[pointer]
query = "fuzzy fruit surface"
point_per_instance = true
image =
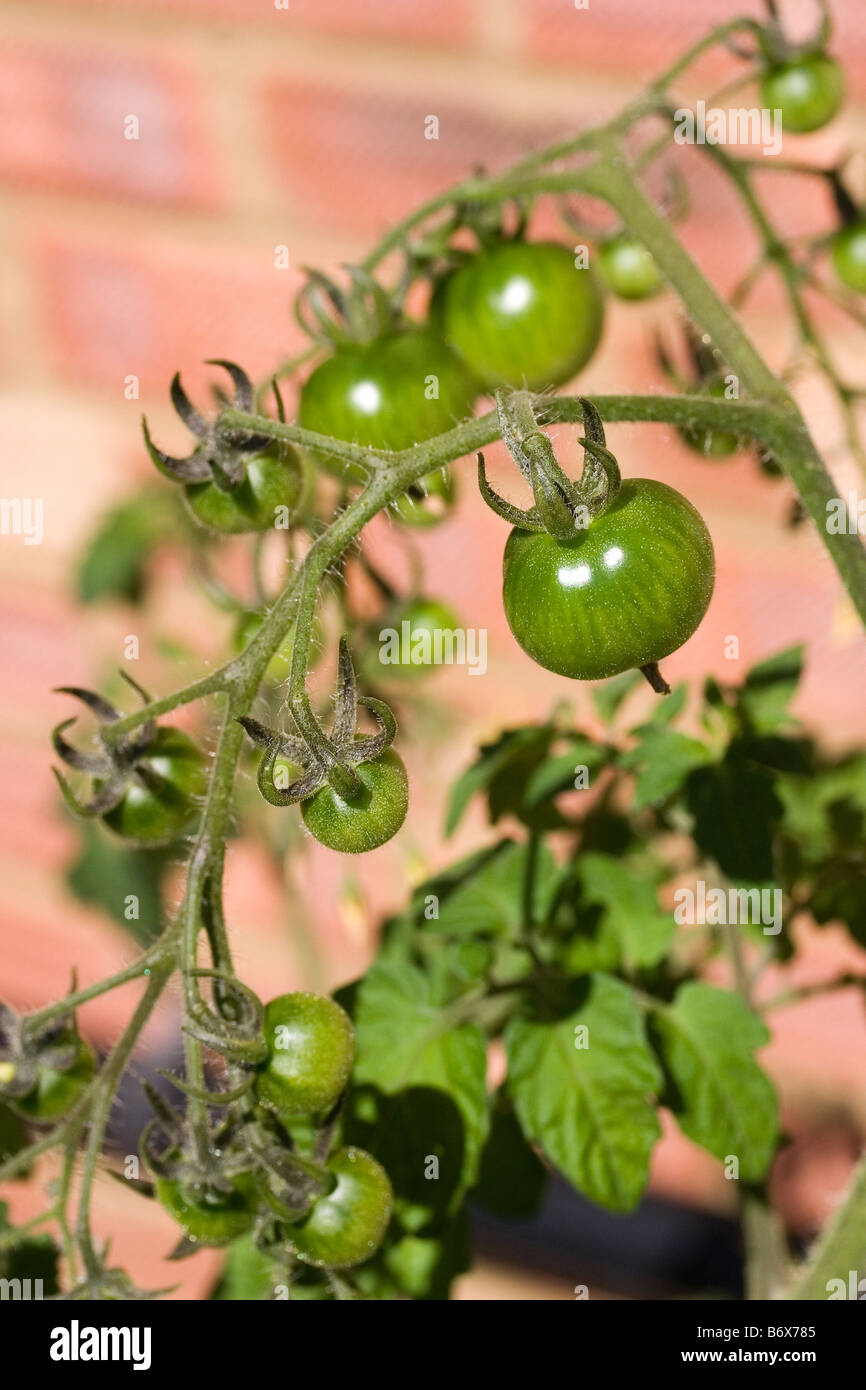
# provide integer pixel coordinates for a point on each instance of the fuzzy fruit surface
(311, 1048)
(211, 1218)
(348, 1225)
(156, 815)
(57, 1091)
(371, 817)
(522, 314)
(272, 480)
(627, 591)
(808, 91)
(389, 394)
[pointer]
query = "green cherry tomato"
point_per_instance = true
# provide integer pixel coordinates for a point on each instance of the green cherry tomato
(522, 314)
(280, 664)
(311, 1048)
(713, 444)
(408, 639)
(808, 91)
(273, 480)
(150, 815)
(848, 253)
(57, 1091)
(373, 816)
(429, 501)
(628, 268)
(348, 1225)
(388, 394)
(627, 591)
(207, 1216)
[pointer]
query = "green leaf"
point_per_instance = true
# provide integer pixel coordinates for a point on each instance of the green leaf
(608, 697)
(405, 1041)
(13, 1135)
(589, 1106)
(664, 712)
(424, 1267)
(769, 688)
(247, 1275)
(735, 810)
(665, 758)
(31, 1257)
(722, 1099)
(113, 564)
(839, 895)
(501, 770)
(557, 774)
(108, 874)
(495, 893)
(513, 1180)
(631, 914)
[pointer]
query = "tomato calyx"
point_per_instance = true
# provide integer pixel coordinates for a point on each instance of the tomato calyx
(322, 758)
(335, 316)
(778, 48)
(29, 1049)
(561, 505)
(215, 459)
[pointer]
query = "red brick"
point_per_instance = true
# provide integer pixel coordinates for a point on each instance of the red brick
(63, 113)
(360, 159)
(115, 305)
(445, 22)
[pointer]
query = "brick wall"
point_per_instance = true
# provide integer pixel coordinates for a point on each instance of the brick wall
(261, 126)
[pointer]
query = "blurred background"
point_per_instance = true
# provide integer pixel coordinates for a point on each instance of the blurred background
(303, 127)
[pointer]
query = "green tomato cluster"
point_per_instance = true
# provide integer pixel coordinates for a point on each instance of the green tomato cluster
(311, 1049)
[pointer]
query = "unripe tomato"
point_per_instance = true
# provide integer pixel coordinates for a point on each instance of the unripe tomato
(627, 591)
(280, 665)
(348, 1225)
(628, 268)
(808, 91)
(713, 444)
(311, 1048)
(273, 480)
(431, 508)
(207, 1216)
(149, 817)
(848, 252)
(389, 394)
(522, 314)
(416, 625)
(57, 1091)
(373, 816)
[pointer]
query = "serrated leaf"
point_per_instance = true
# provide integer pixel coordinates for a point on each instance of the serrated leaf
(665, 758)
(405, 1040)
(721, 1098)
(589, 1108)
(631, 914)
(494, 894)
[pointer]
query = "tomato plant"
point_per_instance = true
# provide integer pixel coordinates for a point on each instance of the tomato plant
(533, 1009)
